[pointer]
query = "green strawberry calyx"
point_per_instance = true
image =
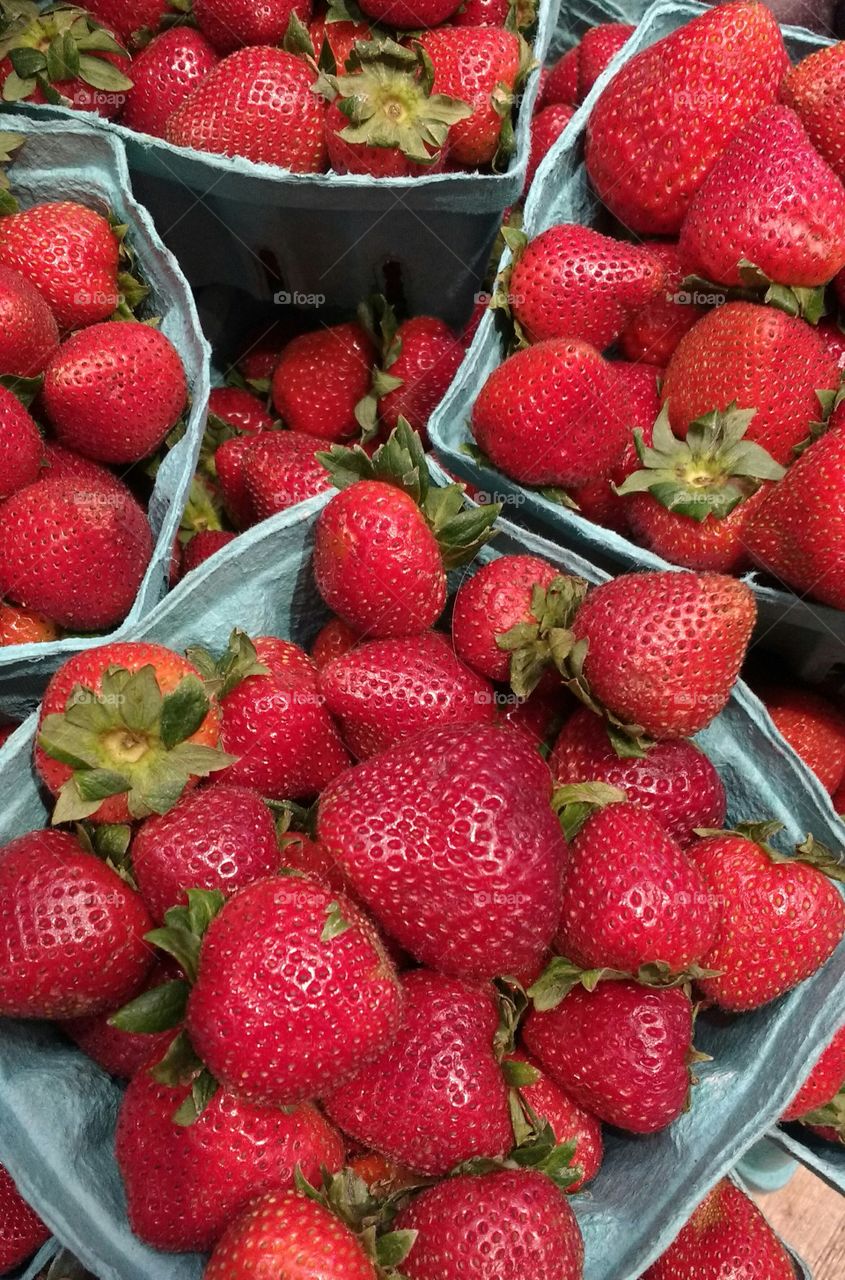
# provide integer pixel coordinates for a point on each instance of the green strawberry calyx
(10, 143)
(460, 530)
(517, 242)
(546, 642)
(810, 851)
(133, 291)
(708, 473)
(63, 43)
(110, 842)
(830, 1116)
(755, 286)
(575, 802)
(129, 739)
(203, 510)
(535, 1145)
(378, 319)
(369, 1217)
(561, 976)
(237, 662)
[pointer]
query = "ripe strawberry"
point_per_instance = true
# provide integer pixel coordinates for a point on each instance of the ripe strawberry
(29, 334)
(674, 782)
(833, 341)
(129, 18)
(510, 1223)
(230, 472)
(21, 446)
(464, 891)
(772, 905)
(569, 1122)
(547, 415)
(22, 626)
(205, 543)
(726, 1234)
(815, 88)
(280, 469)
(823, 1083)
(60, 462)
(334, 1001)
(340, 37)
(64, 52)
(404, 1103)
(77, 555)
(599, 45)
(482, 13)
(654, 332)
(561, 82)
(813, 727)
(229, 24)
(410, 15)
(670, 110)
(89, 954)
(121, 1053)
(495, 599)
(540, 715)
(21, 1230)
(479, 65)
(164, 74)
(185, 1182)
(546, 127)
(285, 1230)
(421, 363)
(240, 409)
(319, 379)
(142, 724)
(382, 1177)
(332, 641)
(299, 852)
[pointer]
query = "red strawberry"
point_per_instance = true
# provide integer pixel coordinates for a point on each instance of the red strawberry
(384, 691)
(124, 725)
(491, 602)
(240, 409)
(112, 392)
(540, 715)
(29, 334)
(599, 45)
(569, 1122)
(674, 781)
(21, 446)
(230, 471)
(493, 1226)
(128, 18)
(546, 127)
(423, 360)
(164, 74)
(256, 103)
(121, 1053)
(302, 976)
(561, 82)
(772, 906)
(185, 1182)
(405, 1103)
(21, 1230)
(281, 469)
(88, 953)
(332, 641)
(621, 1051)
(670, 110)
(726, 1234)
(547, 415)
(76, 555)
(65, 463)
(40, 49)
(478, 65)
(815, 88)
(229, 24)
(482, 13)
(823, 1083)
(654, 332)
(22, 626)
(205, 543)
(319, 379)
(411, 15)
(813, 727)
(300, 853)
(340, 36)
(471, 882)
(833, 341)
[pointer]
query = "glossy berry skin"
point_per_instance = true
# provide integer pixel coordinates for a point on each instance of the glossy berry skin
(599, 45)
(229, 459)
(122, 1053)
(436, 1096)
(653, 332)
(89, 953)
(332, 641)
(21, 1230)
(574, 282)
(833, 341)
(727, 1238)
(561, 82)
(384, 691)
(665, 648)
(472, 63)
(813, 727)
(256, 103)
(450, 841)
(631, 897)
(285, 1230)
(76, 554)
(126, 17)
(164, 74)
(220, 837)
(241, 409)
(340, 37)
(376, 563)
(547, 415)
(569, 1122)
(66, 463)
(21, 446)
(410, 15)
(780, 922)
(204, 543)
(815, 88)
(334, 1002)
(620, 1051)
(112, 392)
(428, 360)
(320, 378)
(185, 1183)
(23, 626)
(29, 334)
(276, 724)
(675, 782)
(509, 1225)
(281, 469)
(546, 127)
(481, 13)
(230, 24)
(492, 601)
(714, 544)
(670, 110)
(824, 1081)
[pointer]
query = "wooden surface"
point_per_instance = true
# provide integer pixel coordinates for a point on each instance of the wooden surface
(811, 1219)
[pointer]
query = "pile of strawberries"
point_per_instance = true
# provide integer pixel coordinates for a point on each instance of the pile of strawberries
(382, 936)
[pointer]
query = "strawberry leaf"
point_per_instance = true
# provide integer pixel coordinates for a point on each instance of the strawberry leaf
(158, 1009)
(335, 923)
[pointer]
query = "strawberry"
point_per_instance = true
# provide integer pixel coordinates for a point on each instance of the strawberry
(21, 1230)
(546, 127)
(240, 409)
(22, 626)
(303, 976)
(547, 416)
(418, 367)
(229, 24)
(256, 103)
(281, 469)
(164, 74)
(130, 19)
(488, 906)
(205, 543)
(569, 1122)
(726, 1234)
(505, 1224)
(599, 45)
(752, 357)
(654, 332)
(823, 1083)
(121, 1053)
(773, 905)
(77, 555)
(561, 81)
(21, 446)
(332, 641)
(833, 341)
(138, 725)
(230, 472)
(63, 57)
(813, 727)
(815, 89)
(341, 38)
(90, 953)
(674, 781)
(479, 65)
(300, 853)
(285, 1230)
(658, 126)
(70, 254)
(29, 335)
(410, 15)
(319, 379)
(404, 1103)
(496, 598)
(384, 691)
(185, 1182)
(281, 736)
(60, 462)
(540, 715)
(482, 13)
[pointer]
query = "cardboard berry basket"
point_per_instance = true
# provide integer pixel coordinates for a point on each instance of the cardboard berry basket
(825, 1159)
(36, 1265)
(810, 636)
(69, 160)
(57, 1109)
